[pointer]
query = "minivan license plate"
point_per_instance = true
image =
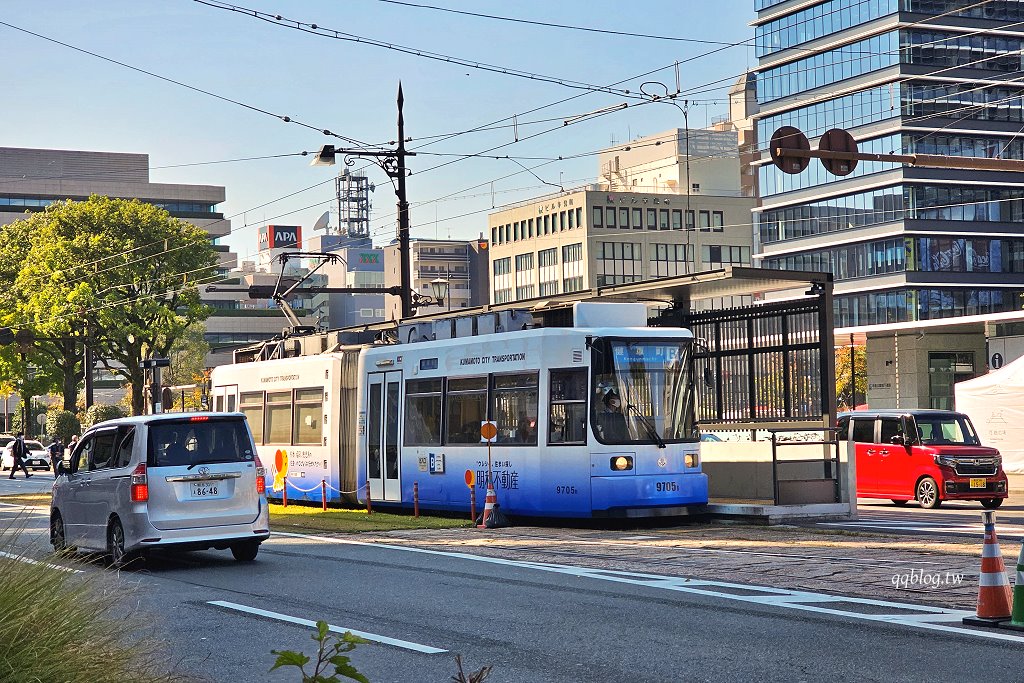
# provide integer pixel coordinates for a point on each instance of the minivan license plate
(978, 483)
(205, 489)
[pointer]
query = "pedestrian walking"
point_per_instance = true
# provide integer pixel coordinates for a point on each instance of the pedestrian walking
(18, 453)
(56, 454)
(72, 444)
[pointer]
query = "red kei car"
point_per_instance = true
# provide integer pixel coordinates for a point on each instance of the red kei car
(924, 455)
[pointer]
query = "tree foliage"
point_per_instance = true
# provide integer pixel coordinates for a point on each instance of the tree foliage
(61, 424)
(101, 413)
(118, 273)
(844, 393)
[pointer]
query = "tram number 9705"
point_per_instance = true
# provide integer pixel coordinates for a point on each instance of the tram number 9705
(565, 490)
(666, 486)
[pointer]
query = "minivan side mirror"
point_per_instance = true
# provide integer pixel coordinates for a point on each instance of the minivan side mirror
(63, 467)
(897, 440)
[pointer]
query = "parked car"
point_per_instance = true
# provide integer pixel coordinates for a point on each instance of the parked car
(924, 455)
(37, 458)
(188, 481)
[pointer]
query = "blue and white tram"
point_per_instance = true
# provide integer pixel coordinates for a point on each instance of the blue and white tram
(591, 422)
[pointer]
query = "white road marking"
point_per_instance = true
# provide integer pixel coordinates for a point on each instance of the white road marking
(384, 640)
(28, 560)
(913, 616)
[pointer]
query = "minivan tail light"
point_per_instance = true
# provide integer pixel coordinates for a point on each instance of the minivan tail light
(140, 484)
(261, 474)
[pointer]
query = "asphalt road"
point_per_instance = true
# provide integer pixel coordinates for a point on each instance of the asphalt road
(534, 622)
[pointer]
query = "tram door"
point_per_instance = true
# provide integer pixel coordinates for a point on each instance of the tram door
(383, 416)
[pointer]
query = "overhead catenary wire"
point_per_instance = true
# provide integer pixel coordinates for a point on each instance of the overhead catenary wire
(481, 155)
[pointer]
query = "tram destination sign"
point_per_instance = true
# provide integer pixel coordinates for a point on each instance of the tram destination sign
(496, 358)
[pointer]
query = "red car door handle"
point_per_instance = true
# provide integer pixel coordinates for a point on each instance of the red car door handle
(884, 452)
(871, 451)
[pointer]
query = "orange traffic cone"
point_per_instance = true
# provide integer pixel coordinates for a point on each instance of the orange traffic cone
(489, 502)
(994, 594)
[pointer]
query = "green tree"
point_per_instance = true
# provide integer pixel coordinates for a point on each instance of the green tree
(62, 424)
(844, 390)
(120, 273)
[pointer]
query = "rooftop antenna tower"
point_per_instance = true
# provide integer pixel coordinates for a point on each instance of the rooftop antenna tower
(353, 192)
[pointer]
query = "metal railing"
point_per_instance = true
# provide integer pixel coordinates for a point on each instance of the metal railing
(807, 489)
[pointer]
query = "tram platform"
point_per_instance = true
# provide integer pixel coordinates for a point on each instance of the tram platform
(765, 511)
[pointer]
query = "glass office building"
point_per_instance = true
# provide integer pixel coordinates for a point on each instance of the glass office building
(944, 77)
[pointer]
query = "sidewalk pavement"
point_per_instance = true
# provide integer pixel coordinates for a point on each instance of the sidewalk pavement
(937, 572)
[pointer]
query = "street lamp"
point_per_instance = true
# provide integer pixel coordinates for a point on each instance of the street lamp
(439, 287)
(392, 162)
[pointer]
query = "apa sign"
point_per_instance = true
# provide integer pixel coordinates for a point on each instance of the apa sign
(280, 236)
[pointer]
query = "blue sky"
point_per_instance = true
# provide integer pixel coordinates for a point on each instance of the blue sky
(56, 97)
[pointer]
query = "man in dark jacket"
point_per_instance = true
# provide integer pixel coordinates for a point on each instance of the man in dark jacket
(18, 453)
(56, 453)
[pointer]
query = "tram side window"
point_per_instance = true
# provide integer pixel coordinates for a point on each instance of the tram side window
(307, 429)
(515, 408)
(466, 403)
(279, 417)
(251, 405)
(567, 423)
(423, 412)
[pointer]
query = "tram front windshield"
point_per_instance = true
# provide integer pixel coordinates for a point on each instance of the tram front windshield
(642, 391)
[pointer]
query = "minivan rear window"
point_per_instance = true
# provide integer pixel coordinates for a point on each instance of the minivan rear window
(194, 442)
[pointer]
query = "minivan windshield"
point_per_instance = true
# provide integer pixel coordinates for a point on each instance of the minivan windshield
(946, 430)
(198, 441)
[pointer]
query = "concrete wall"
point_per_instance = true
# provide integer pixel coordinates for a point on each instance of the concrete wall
(743, 471)
(897, 365)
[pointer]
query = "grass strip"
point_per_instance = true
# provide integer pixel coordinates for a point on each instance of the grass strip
(313, 518)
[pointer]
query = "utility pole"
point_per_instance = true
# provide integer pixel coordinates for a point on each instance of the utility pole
(393, 163)
(403, 215)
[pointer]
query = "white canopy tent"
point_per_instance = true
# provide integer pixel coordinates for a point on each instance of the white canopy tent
(995, 404)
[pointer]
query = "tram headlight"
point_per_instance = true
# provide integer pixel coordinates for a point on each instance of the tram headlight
(691, 460)
(622, 463)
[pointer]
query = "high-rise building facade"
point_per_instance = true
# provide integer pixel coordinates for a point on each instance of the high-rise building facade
(906, 245)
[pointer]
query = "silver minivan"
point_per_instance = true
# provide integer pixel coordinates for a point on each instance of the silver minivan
(190, 481)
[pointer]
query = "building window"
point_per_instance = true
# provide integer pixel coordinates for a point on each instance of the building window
(503, 266)
(677, 219)
(524, 262)
(597, 216)
(529, 228)
(623, 218)
(638, 219)
(572, 252)
(572, 219)
(663, 219)
(572, 284)
(652, 219)
(668, 260)
(524, 292)
(561, 221)
(579, 217)
(609, 217)
(691, 223)
(547, 257)
(717, 221)
(549, 288)
(494, 235)
(705, 221)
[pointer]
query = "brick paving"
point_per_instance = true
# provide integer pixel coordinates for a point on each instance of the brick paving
(834, 562)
